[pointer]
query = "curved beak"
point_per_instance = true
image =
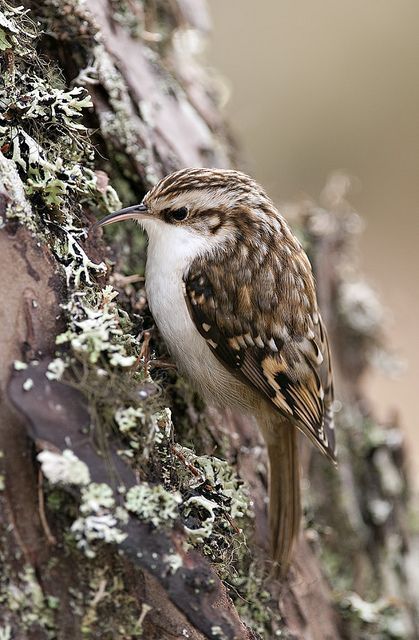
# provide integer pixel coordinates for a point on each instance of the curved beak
(130, 213)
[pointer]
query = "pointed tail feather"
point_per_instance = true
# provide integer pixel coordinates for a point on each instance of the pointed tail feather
(284, 496)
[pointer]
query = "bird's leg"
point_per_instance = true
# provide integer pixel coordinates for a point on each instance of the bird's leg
(161, 363)
(143, 357)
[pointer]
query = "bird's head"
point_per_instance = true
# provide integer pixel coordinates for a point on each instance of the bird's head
(204, 206)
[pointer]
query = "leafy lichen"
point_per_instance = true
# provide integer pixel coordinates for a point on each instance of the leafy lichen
(99, 519)
(153, 504)
(24, 597)
(95, 331)
(64, 468)
(43, 136)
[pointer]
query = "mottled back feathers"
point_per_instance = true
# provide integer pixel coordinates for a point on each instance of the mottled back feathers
(255, 305)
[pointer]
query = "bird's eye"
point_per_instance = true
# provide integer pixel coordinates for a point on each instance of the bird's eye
(179, 214)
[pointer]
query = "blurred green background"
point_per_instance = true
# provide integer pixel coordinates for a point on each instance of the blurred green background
(326, 85)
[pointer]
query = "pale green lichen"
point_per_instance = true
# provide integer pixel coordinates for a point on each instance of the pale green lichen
(95, 332)
(56, 369)
(223, 479)
(18, 207)
(122, 12)
(54, 166)
(117, 122)
(16, 30)
(46, 142)
(41, 131)
(26, 599)
(200, 504)
(28, 384)
(129, 419)
(18, 365)
(100, 520)
(54, 178)
(97, 496)
(204, 515)
(6, 631)
(148, 432)
(172, 562)
(79, 265)
(153, 504)
(48, 104)
(64, 468)
(96, 528)
(254, 604)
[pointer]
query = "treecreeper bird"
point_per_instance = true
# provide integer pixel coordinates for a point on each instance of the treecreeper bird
(232, 293)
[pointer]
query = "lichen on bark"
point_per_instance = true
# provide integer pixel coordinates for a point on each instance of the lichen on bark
(50, 157)
(99, 100)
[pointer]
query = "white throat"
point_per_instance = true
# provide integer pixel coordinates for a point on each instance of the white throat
(171, 251)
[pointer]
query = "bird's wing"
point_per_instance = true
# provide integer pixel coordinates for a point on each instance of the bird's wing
(291, 369)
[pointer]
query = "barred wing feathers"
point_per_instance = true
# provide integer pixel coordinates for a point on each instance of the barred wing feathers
(272, 346)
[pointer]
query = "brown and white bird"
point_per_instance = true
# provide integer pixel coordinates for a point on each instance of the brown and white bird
(232, 293)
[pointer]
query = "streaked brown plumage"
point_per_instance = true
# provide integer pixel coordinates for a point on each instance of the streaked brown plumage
(246, 326)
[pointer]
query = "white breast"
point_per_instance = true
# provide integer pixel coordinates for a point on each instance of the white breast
(171, 250)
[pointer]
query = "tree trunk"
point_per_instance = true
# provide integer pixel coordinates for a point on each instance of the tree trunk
(118, 517)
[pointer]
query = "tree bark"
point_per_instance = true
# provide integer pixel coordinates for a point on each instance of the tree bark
(119, 519)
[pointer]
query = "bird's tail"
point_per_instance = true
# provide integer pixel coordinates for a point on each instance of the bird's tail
(284, 495)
